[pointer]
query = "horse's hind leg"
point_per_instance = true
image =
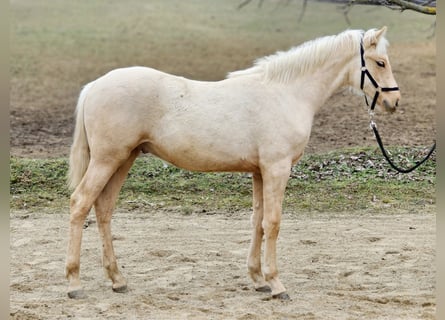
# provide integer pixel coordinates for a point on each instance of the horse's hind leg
(254, 257)
(82, 199)
(104, 207)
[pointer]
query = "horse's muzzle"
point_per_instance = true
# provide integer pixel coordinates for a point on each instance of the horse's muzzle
(389, 107)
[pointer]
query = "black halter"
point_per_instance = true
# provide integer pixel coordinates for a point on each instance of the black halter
(371, 78)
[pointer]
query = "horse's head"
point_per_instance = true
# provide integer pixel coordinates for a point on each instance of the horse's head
(376, 79)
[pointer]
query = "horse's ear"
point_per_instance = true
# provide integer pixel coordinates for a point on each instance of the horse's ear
(380, 33)
(373, 37)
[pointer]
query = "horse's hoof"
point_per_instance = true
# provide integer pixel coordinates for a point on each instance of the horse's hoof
(281, 296)
(121, 289)
(77, 294)
(264, 289)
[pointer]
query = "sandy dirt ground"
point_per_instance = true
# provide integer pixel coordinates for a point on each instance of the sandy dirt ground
(335, 266)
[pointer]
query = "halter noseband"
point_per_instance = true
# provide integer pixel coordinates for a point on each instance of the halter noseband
(371, 78)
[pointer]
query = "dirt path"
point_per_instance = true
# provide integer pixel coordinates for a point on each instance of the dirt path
(335, 266)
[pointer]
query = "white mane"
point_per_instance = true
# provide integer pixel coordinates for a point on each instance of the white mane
(284, 66)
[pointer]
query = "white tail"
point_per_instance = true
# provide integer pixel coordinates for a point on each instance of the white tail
(80, 152)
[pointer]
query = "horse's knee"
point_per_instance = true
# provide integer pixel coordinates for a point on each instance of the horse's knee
(271, 227)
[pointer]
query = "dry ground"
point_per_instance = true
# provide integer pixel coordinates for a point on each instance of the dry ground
(335, 266)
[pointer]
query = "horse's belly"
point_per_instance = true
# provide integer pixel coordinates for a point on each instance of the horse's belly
(202, 159)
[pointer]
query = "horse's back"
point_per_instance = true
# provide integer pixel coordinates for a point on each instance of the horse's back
(197, 125)
(178, 119)
(129, 82)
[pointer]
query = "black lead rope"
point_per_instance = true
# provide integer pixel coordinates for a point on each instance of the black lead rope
(385, 154)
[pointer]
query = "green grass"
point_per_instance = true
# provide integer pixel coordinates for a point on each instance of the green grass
(345, 180)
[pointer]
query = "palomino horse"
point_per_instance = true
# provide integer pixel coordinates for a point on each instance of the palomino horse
(257, 120)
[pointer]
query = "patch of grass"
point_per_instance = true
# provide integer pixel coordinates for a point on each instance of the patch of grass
(350, 179)
(38, 183)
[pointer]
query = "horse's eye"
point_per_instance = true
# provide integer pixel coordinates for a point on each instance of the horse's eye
(380, 64)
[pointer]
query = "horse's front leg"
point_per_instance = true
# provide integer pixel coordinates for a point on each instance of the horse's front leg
(275, 178)
(254, 257)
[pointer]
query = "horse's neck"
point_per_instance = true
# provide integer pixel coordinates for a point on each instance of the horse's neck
(317, 87)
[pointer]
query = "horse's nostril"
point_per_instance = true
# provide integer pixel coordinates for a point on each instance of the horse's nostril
(397, 103)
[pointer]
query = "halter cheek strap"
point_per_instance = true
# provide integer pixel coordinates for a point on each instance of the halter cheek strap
(365, 72)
